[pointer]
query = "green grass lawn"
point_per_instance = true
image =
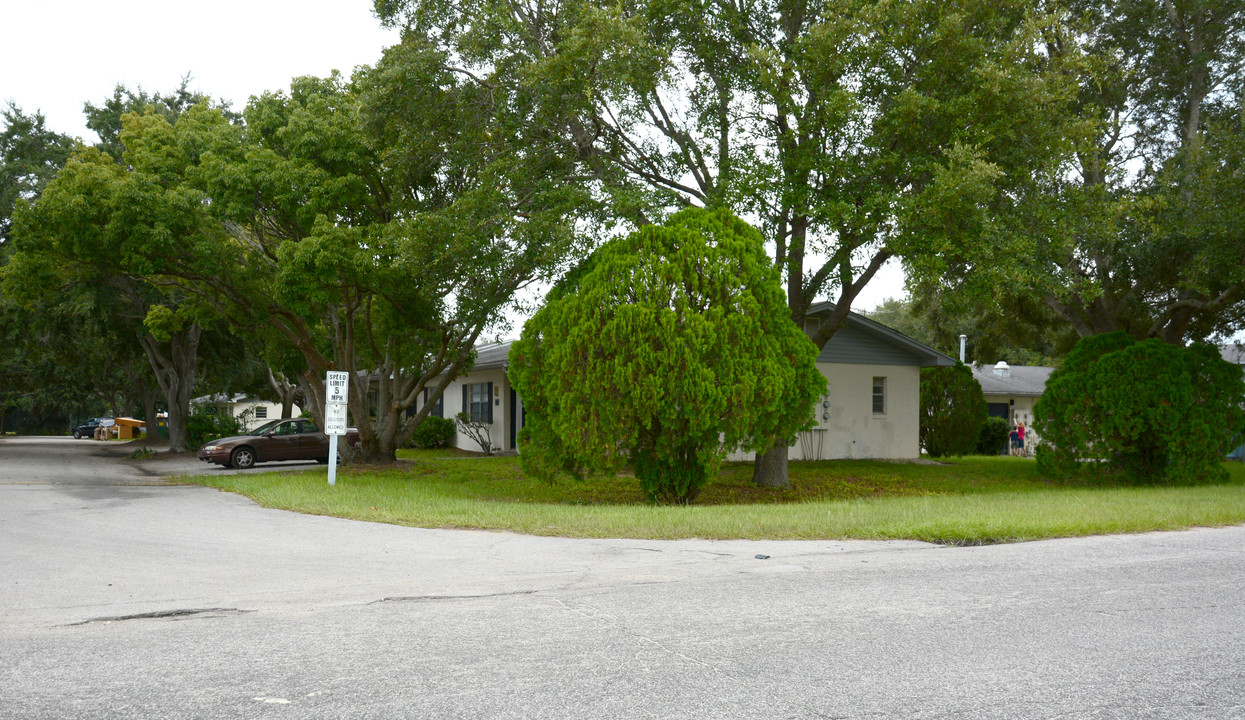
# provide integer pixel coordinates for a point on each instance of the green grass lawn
(963, 501)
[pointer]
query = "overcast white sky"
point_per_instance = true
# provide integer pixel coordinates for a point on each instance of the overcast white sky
(59, 55)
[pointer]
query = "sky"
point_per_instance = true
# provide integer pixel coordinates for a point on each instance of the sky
(60, 55)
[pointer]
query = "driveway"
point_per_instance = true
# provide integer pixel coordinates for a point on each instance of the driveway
(124, 597)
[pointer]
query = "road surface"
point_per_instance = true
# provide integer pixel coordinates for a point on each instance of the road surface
(122, 596)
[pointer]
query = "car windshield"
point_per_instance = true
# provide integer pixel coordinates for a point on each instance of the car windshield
(266, 427)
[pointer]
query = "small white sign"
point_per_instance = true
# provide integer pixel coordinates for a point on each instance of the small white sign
(335, 385)
(335, 419)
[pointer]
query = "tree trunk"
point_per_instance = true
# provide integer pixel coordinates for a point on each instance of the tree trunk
(770, 468)
(149, 414)
(286, 391)
(176, 373)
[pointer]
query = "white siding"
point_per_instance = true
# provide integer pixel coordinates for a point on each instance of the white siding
(499, 430)
(852, 431)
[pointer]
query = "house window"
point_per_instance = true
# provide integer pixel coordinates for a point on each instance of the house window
(438, 410)
(261, 412)
(879, 396)
(478, 401)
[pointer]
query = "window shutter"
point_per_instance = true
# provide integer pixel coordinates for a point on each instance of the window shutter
(466, 398)
(488, 403)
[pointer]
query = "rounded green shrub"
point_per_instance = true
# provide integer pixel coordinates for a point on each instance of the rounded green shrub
(992, 440)
(207, 423)
(434, 432)
(665, 350)
(1150, 410)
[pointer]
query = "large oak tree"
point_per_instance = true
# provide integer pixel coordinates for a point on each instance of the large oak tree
(850, 132)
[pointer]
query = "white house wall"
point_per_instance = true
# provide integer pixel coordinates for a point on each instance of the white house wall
(273, 411)
(499, 431)
(244, 410)
(852, 431)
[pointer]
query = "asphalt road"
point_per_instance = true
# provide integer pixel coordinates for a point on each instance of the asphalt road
(123, 597)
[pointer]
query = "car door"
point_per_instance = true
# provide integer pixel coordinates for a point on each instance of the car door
(313, 443)
(282, 443)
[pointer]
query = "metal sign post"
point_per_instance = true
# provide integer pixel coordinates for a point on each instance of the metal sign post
(336, 385)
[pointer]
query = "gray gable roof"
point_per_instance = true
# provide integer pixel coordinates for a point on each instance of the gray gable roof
(860, 340)
(1023, 380)
(224, 398)
(868, 342)
(490, 357)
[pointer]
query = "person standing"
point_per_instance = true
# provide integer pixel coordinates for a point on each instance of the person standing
(1020, 439)
(1012, 437)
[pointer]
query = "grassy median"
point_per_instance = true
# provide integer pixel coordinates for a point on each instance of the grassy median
(971, 500)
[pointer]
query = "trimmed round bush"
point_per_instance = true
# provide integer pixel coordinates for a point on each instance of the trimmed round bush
(1152, 411)
(666, 350)
(434, 432)
(992, 440)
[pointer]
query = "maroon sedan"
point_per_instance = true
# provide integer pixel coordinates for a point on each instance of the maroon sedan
(297, 439)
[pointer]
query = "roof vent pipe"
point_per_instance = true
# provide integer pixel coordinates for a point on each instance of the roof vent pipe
(963, 344)
(1002, 370)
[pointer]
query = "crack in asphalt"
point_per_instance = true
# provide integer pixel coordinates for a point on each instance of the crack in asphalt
(163, 615)
(432, 598)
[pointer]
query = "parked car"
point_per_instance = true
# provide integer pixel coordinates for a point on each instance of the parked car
(87, 429)
(297, 439)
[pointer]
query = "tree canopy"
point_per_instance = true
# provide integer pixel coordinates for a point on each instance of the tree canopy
(1136, 226)
(852, 132)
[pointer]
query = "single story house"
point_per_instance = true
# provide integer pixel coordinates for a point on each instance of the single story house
(871, 409)
(1012, 391)
(251, 410)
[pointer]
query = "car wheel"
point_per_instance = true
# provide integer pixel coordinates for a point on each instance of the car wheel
(242, 458)
(77, 435)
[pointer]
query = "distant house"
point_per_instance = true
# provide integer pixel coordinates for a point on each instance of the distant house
(871, 409)
(1235, 354)
(1012, 391)
(251, 410)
